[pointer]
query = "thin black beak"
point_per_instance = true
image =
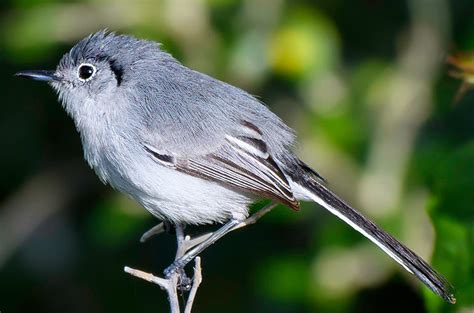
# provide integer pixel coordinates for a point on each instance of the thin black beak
(45, 76)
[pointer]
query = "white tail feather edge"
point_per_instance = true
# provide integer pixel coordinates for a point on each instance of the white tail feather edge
(310, 195)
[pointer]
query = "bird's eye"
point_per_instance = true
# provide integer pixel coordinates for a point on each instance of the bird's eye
(86, 71)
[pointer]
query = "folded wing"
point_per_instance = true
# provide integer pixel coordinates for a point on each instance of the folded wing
(243, 162)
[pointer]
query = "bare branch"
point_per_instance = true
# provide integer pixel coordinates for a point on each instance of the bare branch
(192, 242)
(184, 244)
(256, 216)
(163, 283)
(197, 279)
(169, 285)
(155, 230)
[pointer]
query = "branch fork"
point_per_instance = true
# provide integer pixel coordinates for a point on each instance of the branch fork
(177, 280)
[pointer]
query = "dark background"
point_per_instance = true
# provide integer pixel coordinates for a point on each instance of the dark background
(364, 84)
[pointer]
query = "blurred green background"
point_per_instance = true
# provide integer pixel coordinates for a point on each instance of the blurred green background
(366, 87)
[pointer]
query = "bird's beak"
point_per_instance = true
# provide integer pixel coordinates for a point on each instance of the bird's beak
(45, 76)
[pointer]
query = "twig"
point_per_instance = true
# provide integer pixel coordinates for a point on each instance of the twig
(197, 279)
(170, 285)
(163, 283)
(155, 230)
(189, 244)
(185, 243)
(256, 216)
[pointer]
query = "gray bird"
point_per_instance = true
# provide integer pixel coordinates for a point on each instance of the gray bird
(192, 149)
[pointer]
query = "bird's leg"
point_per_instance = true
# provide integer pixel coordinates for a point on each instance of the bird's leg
(181, 262)
(184, 282)
(192, 242)
(193, 247)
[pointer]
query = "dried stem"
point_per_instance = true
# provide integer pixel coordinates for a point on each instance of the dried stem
(197, 279)
(184, 244)
(156, 230)
(169, 285)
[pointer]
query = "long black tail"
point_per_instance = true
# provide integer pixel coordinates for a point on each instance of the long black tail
(396, 250)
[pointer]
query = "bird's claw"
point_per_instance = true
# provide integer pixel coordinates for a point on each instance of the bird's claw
(184, 282)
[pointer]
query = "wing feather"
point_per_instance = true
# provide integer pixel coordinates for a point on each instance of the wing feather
(243, 162)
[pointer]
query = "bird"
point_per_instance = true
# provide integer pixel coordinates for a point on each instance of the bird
(192, 149)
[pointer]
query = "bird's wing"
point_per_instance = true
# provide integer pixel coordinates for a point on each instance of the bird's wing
(243, 162)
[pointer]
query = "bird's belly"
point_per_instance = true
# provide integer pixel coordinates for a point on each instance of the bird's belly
(178, 197)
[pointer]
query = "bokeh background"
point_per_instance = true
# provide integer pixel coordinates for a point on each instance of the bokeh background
(364, 83)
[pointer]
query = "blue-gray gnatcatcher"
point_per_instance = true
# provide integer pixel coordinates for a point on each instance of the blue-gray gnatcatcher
(189, 148)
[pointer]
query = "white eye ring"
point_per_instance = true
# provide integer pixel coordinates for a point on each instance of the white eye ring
(86, 71)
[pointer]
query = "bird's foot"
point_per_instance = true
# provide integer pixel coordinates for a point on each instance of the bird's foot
(184, 282)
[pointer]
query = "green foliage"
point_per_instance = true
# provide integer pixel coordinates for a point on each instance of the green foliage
(284, 279)
(114, 222)
(453, 219)
(305, 45)
(453, 186)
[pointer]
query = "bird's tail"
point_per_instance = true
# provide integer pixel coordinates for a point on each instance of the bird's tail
(317, 192)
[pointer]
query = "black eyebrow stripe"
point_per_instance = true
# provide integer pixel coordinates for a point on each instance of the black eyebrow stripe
(118, 71)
